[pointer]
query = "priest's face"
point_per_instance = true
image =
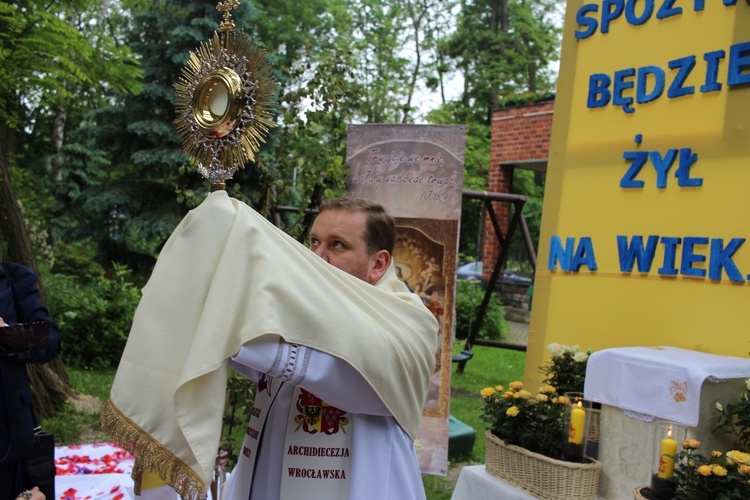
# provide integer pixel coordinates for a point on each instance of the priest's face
(338, 237)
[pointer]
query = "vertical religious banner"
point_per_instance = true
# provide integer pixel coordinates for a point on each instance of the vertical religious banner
(416, 172)
(644, 225)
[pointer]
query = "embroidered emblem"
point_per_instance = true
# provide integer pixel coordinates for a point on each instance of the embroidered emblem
(317, 416)
(678, 391)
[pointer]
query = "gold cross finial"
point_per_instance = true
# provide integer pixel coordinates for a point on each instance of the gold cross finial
(227, 24)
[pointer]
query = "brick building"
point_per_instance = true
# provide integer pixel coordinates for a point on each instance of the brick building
(520, 139)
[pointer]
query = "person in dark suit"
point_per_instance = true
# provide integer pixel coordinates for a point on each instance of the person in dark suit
(19, 303)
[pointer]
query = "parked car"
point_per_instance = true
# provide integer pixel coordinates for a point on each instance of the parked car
(473, 271)
(469, 271)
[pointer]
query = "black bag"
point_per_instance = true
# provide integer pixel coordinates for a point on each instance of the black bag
(39, 464)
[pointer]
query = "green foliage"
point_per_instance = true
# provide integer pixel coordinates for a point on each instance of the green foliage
(503, 48)
(120, 168)
(567, 369)
(69, 426)
(240, 399)
(719, 475)
(52, 53)
(96, 383)
(734, 418)
(531, 185)
(93, 311)
(469, 297)
(526, 98)
(75, 260)
(534, 422)
(438, 487)
(72, 426)
(716, 477)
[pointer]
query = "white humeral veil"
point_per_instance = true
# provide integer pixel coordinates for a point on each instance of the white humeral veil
(226, 276)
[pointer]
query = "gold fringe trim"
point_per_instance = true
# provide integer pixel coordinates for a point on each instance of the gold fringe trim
(151, 455)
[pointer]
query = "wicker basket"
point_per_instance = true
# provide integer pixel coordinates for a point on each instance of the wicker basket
(542, 476)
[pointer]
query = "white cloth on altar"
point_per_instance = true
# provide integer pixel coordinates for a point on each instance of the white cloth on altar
(384, 462)
(661, 382)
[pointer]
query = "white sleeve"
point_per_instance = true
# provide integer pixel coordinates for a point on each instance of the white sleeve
(331, 379)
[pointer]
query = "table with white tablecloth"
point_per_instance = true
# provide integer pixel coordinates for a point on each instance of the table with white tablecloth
(638, 385)
(475, 483)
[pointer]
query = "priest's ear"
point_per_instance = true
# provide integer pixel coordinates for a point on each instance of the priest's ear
(379, 262)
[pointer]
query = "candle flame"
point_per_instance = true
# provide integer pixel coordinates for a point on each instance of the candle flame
(669, 434)
(580, 405)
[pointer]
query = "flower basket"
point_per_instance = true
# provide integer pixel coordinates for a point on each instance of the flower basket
(545, 477)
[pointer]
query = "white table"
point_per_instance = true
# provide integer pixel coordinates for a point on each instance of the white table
(474, 483)
(637, 385)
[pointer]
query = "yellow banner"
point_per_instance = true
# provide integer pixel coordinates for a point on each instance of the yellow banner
(646, 211)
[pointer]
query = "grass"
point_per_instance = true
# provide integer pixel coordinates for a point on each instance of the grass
(489, 367)
(78, 422)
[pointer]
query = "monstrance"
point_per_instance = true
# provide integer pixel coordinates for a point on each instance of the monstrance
(224, 99)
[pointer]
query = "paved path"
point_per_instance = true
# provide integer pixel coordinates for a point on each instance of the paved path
(518, 334)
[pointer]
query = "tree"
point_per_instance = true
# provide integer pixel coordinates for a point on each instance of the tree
(45, 62)
(92, 158)
(503, 50)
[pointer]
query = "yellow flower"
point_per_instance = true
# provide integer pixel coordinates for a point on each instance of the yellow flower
(547, 389)
(513, 411)
(542, 398)
(716, 454)
(487, 392)
(516, 386)
(745, 470)
(691, 444)
(508, 395)
(563, 400)
(499, 388)
(718, 470)
(704, 470)
(524, 394)
(738, 457)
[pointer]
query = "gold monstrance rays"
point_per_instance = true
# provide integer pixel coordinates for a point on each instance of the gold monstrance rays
(224, 101)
